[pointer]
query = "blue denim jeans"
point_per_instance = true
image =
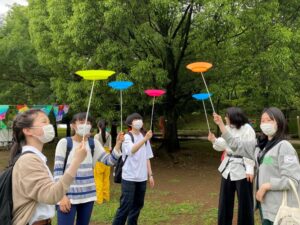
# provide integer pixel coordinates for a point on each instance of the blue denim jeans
(131, 202)
(83, 211)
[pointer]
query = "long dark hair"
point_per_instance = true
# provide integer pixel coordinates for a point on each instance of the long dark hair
(236, 116)
(102, 126)
(276, 114)
(22, 120)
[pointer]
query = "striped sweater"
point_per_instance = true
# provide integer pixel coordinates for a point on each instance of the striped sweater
(83, 188)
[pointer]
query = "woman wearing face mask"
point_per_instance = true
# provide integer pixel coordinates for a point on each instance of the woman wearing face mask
(101, 171)
(136, 152)
(276, 159)
(80, 197)
(34, 191)
(237, 171)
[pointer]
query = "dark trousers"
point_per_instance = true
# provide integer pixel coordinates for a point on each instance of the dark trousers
(263, 221)
(131, 202)
(83, 211)
(245, 201)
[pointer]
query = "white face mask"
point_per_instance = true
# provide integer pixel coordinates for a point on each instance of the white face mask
(48, 133)
(83, 129)
(137, 124)
(268, 129)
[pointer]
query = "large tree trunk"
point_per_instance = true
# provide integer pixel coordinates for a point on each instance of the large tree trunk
(172, 64)
(171, 138)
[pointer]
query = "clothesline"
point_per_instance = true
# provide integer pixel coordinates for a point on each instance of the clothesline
(59, 111)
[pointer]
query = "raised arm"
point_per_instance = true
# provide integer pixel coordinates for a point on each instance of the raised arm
(137, 146)
(36, 183)
(245, 148)
(106, 158)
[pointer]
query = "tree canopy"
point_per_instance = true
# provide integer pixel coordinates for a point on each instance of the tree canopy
(23, 78)
(253, 46)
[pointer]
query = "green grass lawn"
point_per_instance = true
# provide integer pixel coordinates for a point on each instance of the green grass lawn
(155, 211)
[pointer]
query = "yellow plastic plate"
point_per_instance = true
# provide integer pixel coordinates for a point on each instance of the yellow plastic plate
(95, 74)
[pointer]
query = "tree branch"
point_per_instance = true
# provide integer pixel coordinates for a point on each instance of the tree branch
(181, 21)
(185, 38)
(24, 82)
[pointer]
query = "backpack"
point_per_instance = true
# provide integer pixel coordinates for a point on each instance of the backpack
(120, 163)
(287, 215)
(6, 199)
(70, 146)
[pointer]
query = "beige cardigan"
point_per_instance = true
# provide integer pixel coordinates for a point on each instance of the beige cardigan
(32, 184)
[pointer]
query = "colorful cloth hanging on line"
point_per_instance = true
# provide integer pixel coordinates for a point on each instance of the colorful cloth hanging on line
(59, 111)
(3, 111)
(45, 108)
(22, 108)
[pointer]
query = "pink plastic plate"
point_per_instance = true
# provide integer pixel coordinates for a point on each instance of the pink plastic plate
(155, 92)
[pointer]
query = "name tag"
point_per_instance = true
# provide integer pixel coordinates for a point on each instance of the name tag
(290, 159)
(268, 160)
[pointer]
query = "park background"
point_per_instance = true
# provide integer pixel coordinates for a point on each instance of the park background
(254, 47)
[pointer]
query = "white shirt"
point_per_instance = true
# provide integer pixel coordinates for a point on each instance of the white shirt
(135, 167)
(237, 168)
(108, 139)
(42, 211)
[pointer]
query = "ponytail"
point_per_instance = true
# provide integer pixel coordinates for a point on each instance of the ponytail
(102, 127)
(22, 120)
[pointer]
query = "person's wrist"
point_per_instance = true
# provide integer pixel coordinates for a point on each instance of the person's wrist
(76, 161)
(118, 145)
(267, 186)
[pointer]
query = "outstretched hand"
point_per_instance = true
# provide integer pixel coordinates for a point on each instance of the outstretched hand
(211, 137)
(148, 135)
(80, 152)
(218, 119)
(120, 137)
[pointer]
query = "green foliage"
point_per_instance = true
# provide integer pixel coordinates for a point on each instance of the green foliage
(254, 47)
(251, 50)
(23, 79)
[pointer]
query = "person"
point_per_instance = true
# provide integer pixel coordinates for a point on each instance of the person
(276, 160)
(237, 171)
(136, 154)
(162, 128)
(82, 193)
(101, 171)
(33, 189)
